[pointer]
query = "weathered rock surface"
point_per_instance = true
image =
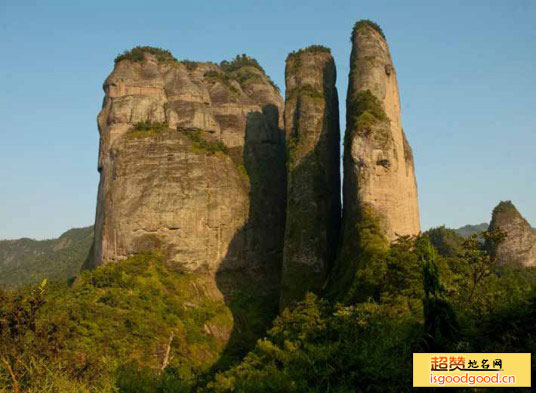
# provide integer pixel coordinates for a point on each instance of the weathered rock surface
(313, 193)
(203, 178)
(519, 247)
(378, 161)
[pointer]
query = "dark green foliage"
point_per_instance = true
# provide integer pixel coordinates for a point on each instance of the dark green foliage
(131, 379)
(361, 261)
(367, 23)
(310, 49)
(242, 61)
(320, 346)
(440, 323)
(136, 54)
(364, 111)
(305, 90)
(105, 332)
(447, 242)
(201, 144)
(118, 314)
(27, 261)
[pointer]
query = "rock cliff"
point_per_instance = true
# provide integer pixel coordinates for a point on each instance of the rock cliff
(378, 161)
(519, 247)
(379, 190)
(313, 192)
(192, 163)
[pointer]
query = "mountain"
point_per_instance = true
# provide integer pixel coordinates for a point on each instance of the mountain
(26, 261)
(468, 230)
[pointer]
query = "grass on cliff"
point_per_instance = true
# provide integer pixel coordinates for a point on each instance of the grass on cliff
(366, 23)
(364, 111)
(137, 54)
(147, 128)
(200, 144)
(293, 61)
(242, 61)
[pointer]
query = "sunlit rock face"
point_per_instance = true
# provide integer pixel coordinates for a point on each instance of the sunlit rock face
(192, 165)
(379, 175)
(519, 246)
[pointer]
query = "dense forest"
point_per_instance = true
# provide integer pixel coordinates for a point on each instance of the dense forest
(131, 327)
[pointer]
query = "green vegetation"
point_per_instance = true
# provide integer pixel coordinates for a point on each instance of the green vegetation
(309, 49)
(240, 61)
(366, 23)
(136, 54)
(201, 144)
(232, 69)
(190, 65)
(364, 111)
(305, 90)
(293, 61)
(367, 345)
(27, 261)
(109, 330)
(147, 128)
(107, 327)
(224, 78)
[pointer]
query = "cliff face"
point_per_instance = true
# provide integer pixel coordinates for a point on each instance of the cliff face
(192, 163)
(379, 176)
(519, 247)
(313, 201)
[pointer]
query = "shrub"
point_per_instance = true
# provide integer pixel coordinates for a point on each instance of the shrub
(364, 111)
(200, 143)
(367, 23)
(241, 61)
(136, 54)
(147, 128)
(309, 49)
(190, 65)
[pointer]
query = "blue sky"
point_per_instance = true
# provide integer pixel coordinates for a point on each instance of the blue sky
(465, 71)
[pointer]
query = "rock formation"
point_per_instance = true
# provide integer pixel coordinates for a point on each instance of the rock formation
(313, 192)
(192, 163)
(379, 190)
(519, 247)
(378, 161)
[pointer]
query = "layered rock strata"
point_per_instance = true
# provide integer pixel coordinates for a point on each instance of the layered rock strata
(313, 192)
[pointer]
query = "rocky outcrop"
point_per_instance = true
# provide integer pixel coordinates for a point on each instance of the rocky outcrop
(379, 190)
(519, 246)
(313, 193)
(378, 161)
(192, 163)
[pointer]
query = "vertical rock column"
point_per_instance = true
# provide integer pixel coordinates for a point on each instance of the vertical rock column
(379, 190)
(313, 193)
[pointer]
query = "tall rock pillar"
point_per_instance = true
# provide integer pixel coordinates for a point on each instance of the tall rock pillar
(379, 190)
(313, 192)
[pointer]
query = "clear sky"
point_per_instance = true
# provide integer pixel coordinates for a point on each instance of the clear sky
(466, 73)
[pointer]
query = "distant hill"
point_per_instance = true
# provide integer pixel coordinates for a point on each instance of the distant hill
(24, 261)
(468, 230)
